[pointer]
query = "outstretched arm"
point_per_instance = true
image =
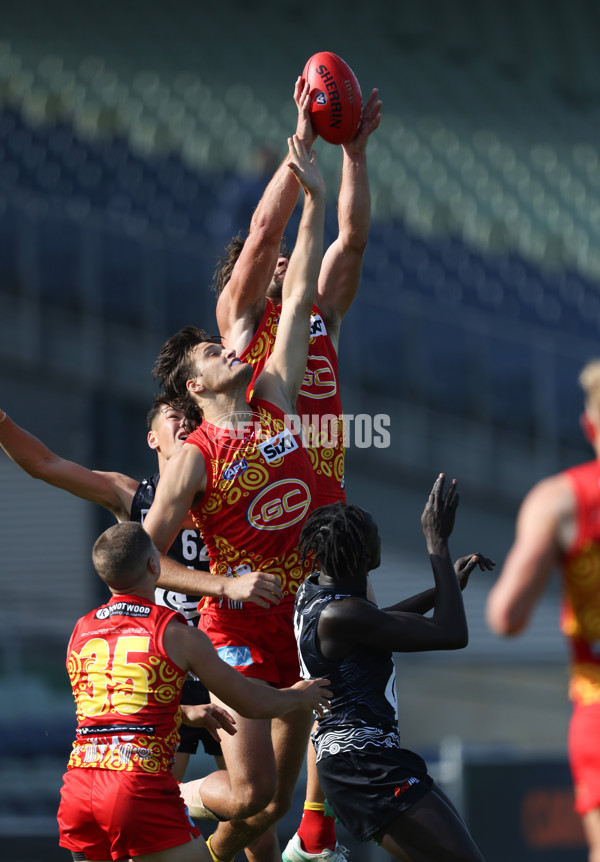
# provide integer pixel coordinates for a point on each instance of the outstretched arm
(242, 301)
(192, 650)
(423, 602)
(545, 519)
(342, 264)
(114, 491)
(282, 375)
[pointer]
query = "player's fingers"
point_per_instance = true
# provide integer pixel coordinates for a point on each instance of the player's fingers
(371, 101)
(452, 494)
(228, 726)
(269, 596)
(326, 692)
(226, 716)
(269, 592)
(438, 488)
(270, 579)
(257, 600)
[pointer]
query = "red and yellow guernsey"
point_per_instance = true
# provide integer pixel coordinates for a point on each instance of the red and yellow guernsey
(127, 690)
(580, 615)
(260, 487)
(319, 404)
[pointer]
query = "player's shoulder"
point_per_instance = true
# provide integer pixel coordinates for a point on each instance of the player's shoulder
(553, 495)
(343, 606)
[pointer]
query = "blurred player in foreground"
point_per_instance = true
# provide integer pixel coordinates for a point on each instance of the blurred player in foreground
(127, 662)
(377, 789)
(558, 526)
(249, 284)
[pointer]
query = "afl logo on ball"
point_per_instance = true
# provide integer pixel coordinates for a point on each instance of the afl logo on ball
(321, 98)
(280, 505)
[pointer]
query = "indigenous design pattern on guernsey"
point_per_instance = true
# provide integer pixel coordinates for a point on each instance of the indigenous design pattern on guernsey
(272, 505)
(333, 742)
(121, 684)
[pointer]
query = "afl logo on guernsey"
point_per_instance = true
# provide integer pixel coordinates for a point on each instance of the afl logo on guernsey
(235, 469)
(319, 378)
(280, 505)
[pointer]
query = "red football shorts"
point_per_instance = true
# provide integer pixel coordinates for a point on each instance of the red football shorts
(584, 756)
(107, 814)
(258, 645)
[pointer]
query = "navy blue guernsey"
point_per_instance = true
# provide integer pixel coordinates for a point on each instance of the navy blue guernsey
(188, 549)
(363, 713)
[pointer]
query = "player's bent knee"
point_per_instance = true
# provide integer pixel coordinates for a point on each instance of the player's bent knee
(250, 799)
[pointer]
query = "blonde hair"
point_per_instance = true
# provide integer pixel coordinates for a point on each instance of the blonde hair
(589, 380)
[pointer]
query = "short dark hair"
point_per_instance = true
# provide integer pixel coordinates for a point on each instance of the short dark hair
(174, 366)
(156, 407)
(337, 535)
(159, 403)
(226, 262)
(120, 554)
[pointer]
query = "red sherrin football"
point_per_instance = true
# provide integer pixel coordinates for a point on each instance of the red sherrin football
(336, 100)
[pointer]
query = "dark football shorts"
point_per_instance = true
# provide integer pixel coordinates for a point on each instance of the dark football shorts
(368, 789)
(192, 693)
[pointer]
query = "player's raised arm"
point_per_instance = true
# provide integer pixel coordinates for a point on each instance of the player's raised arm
(242, 289)
(341, 269)
(353, 621)
(282, 376)
(114, 491)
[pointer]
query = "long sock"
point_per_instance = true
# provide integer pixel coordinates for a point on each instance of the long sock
(317, 828)
(213, 854)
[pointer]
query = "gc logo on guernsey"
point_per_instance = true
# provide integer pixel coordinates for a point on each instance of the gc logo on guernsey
(319, 378)
(279, 505)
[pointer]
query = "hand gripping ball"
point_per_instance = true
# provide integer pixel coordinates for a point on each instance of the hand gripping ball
(335, 97)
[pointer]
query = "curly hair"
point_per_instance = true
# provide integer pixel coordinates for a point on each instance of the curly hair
(174, 366)
(337, 535)
(226, 262)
